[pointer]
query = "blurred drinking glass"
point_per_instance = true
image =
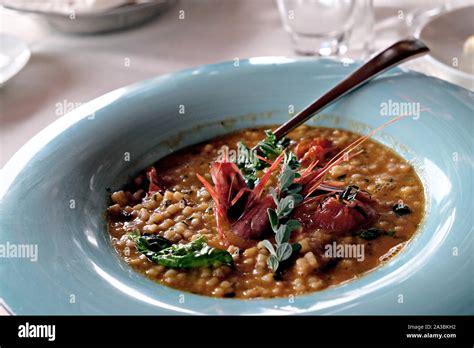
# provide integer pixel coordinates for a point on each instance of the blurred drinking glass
(328, 27)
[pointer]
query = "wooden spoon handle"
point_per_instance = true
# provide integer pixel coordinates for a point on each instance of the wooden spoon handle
(388, 58)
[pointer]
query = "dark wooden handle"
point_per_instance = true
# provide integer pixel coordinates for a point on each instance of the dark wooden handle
(388, 58)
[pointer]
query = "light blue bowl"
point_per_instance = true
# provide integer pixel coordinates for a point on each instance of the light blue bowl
(54, 193)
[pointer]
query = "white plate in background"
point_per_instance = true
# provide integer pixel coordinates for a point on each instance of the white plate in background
(446, 36)
(14, 54)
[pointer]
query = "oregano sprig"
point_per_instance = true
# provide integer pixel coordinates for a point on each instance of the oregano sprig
(270, 148)
(285, 199)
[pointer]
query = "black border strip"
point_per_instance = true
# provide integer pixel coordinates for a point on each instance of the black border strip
(242, 330)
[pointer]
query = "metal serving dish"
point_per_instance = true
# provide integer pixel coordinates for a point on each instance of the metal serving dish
(91, 23)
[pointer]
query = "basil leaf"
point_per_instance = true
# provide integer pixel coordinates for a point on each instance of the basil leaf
(192, 255)
(153, 242)
(205, 257)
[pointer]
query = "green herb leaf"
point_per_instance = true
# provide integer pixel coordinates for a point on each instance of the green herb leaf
(149, 242)
(249, 164)
(373, 233)
(284, 252)
(298, 198)
(286, 179)
(273, 217)
(274, 195)
(282, 235)
(294, 188)
(288, 173)
(266, 243)
(270, 148)
(291, 161)
(296, 247)
(270, 137)
(284, 206)
(192, 255)
(287, 204)
(133, 236)
(273, 263)
(293, 225)
(370, 234)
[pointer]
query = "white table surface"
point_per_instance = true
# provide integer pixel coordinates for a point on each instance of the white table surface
(76, 69)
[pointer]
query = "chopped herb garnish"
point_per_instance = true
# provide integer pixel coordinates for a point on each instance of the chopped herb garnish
(370, 234)
(269, 148)
(401, 209)
(373, 233)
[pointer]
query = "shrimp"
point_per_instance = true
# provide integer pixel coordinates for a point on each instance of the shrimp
(241, 213)
(320, 149)
(332, 208)
(152, 177)
(337, 212)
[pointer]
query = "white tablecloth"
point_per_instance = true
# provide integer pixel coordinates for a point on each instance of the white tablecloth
(69, 70)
